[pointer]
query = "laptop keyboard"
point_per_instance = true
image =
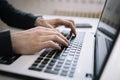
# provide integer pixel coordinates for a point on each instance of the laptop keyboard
(61, 62)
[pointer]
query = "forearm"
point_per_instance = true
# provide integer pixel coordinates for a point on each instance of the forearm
(14, 17)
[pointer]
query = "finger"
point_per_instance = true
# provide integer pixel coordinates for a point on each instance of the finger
(48, 25)
(54, 38)
(44, 28)
(43, 31)
(72, 26)
(68, 24)
(51, 44)
(63, 37)
(58, 34)
(43, 23)
(52, 32)
(72, 21)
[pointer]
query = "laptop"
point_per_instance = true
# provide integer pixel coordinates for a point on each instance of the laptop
(83, 59)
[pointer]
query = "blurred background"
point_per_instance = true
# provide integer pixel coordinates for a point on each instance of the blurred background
(78, 8)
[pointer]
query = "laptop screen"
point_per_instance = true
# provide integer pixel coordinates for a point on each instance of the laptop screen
(106, 33)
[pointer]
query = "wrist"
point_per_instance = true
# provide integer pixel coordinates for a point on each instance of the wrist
(38, 21)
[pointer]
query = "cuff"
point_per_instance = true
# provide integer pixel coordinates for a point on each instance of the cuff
(5, 44)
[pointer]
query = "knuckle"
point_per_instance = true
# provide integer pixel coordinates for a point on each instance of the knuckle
(57, 19)
(55, 37)
(57, 33)
(37, 28)
(43, 21)
(50, 42)
(38, 32)
(70, 23)
(52, 29)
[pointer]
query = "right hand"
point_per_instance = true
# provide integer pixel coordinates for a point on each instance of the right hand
(35, 39)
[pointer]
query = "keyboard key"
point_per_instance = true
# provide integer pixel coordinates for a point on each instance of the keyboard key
(42, 66)
(36, 69)
(71, 74)
(39, 58)
(73, 69)
(78, 52)
(75, 61)
(51, 53)
(49, 67)
(79, 49)
(73, 49)
(58, 65)
(60, 62)
(64, 55)
(37, 61)
(32, 67)
(57, 68)
(69, 58)
(67, 63)
(74, 64)
(50, 71)
(71, 54)
(43, 54)
(64, 73)
(44, 62)
(76, 57)
(34, 64)
(62, 58)
(53, 60)
(51, 64)
(39, 69)
(57, 55)
(66, 67)
(49, 56)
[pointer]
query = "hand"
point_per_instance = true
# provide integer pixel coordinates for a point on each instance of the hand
(35, 39)
(53, 23)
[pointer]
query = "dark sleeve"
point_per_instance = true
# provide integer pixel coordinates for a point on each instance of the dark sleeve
(14, 17)
(5, 44)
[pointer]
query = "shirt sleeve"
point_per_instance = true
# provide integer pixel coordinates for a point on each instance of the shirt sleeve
(14, 17)
(5, 44)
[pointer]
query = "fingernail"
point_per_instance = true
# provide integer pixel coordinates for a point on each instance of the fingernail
(67, 44)
(59, 48)
(75, 33)
(68, 41)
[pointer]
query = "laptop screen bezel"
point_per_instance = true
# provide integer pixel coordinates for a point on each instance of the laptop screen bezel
(97, 77)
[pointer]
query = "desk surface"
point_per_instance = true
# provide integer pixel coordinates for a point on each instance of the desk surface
(91, 21)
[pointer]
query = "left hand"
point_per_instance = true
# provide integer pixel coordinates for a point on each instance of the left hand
(53, 23)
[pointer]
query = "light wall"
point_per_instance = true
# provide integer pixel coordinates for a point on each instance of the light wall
(83, 8)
